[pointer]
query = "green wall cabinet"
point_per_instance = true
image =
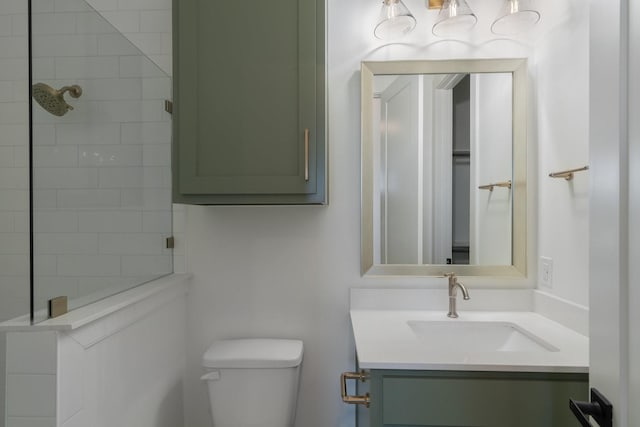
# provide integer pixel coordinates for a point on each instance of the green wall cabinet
(403, 398)
(249, 102)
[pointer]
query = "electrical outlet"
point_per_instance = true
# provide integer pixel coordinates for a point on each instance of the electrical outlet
(546, 272)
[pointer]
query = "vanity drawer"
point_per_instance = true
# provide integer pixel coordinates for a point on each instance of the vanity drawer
(495, 399)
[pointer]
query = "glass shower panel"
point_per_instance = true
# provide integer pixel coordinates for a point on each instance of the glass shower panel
(101, 177)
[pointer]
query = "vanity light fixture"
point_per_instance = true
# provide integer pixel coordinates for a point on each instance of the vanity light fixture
(455, 17)
(516, 16)
(395, 20)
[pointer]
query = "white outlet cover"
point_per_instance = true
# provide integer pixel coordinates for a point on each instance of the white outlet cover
(546, 272)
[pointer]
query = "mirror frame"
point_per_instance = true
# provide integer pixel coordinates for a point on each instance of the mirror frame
(518, 68)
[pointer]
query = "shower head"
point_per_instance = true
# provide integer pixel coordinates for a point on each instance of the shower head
(53, 100)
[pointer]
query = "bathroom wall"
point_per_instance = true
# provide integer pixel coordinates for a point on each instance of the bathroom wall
(286, 271)
(561, 88)
(14, 174)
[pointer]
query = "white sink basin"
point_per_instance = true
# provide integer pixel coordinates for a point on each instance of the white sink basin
(478, 336)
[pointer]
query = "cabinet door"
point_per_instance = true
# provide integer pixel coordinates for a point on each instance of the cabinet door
(249, 101)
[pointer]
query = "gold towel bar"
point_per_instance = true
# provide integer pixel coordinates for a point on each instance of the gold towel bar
(497, 184)
(568, 174)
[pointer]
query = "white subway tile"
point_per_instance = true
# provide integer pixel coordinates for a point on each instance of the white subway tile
(15, 243)
(119, 89)
(31, 422)
(94, 23)
(141, 265)
(53, 23)
(156, 221)
(6, 91)
(47, 287)
(31, 352)
(92, 198)
(94, 67)
(14, 113)
(103, 5)
(156, 88)
(87, 133)
(65, 243)
(44, 134)
(49, 221)
(116, 44)
(14, 265)
(147, 199)
(6, 222)
(5, 25)
(43, 68)
(149, 43)
(135, 177)
(21, 156)
(110, 221)
(144, 4)
(21, 222)
(146, 133)
(55, 156)
(45, 265)
(14, 178)
(14, 68)
(11, 7)
(13, 46)
(89, 265)
(139, 66)
(31, 395)
(131, 243)
(19, 24)
(111, 155)
(155, 21)
(71, 377)
(71, 6)
(65, 45)
(6, 156)
(65, 178)
(14, 200)
(44, 199)
(125, 21)
(14, 135)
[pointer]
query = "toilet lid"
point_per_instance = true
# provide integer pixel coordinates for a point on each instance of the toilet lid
(253, 353)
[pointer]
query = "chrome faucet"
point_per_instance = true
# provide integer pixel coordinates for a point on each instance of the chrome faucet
(453, 292)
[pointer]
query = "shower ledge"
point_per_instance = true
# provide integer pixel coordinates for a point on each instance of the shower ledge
(131, 305)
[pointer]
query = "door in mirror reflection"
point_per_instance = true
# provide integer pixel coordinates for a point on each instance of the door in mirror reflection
(441, 141)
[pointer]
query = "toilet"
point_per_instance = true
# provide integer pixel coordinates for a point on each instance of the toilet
(253, 382)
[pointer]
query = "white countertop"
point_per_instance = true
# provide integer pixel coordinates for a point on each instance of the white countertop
(384, 340)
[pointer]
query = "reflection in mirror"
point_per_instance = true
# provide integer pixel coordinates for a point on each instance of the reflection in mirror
(442, 137)
(444, 167)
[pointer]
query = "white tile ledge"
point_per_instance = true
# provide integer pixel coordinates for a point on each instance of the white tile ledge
(94, 322)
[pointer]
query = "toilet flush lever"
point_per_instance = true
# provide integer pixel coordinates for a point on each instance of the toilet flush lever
(210, 376)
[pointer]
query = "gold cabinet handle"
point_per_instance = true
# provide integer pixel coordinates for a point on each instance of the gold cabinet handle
(354, 400)
(306, 154)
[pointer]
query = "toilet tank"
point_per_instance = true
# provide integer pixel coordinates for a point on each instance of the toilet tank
(253, 382)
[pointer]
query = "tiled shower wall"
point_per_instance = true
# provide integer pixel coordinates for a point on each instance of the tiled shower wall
(102, 175)
(14, 238)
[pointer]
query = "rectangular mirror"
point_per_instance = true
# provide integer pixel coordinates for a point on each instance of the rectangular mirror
(444, 167)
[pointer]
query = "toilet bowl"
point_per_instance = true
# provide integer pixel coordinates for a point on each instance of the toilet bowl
(253, 382)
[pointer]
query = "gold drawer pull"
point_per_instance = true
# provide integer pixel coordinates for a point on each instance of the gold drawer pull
(306, 154)
(354, 400)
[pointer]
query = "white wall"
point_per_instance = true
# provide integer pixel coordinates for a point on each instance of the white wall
(561, 89)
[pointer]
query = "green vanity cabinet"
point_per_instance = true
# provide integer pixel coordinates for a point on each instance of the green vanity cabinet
(403, 398)
(249, 102)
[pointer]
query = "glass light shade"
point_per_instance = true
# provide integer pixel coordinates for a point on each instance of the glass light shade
(395, 20)
(455, 17)
(516, 16)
